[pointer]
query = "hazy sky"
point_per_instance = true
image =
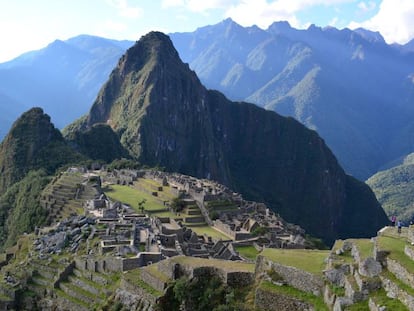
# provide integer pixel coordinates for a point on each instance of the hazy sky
(32, 24)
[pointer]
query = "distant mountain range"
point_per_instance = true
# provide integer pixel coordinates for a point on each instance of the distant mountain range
(350, 86)
(63, 78)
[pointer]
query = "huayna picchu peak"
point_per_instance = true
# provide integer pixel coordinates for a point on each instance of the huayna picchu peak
(165, 117)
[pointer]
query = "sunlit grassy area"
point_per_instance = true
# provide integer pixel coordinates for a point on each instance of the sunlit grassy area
(152, 185)
(365, 247)
(227, 265)
(134, 277)
(132, 196)
(381, 299)
(312, 261)
(153, 270)
(316, 301)
(210, 232)
(249, 252)
(396, 247)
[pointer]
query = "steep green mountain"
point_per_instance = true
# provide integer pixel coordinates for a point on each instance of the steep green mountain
(32, 143)
(31, 151)
(349, 86)
(165, 117)
(72, 71)
(394, 188)
(20, 209)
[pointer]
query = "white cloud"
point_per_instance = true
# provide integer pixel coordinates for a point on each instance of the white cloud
(367, 6)
(200, 6)
(394, 20)
(125, 10)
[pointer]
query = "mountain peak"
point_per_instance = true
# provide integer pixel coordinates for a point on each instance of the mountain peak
(280, 27)
(371, 36)
(154, 46)
(32, 143)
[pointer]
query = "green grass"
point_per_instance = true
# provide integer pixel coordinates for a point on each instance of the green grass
(387, 274)
(227, 265)
(154, 271)
(74, 300)
(132, 196)
(359, 306)
(396, 247)
(151, 185)
(381, 299)
(210, 231)
(290, 291)
(249, 252)
(165, 214)
(365, 247)
(134, 277)
(312, 261)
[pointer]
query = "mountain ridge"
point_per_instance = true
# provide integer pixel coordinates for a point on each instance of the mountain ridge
(166, 118)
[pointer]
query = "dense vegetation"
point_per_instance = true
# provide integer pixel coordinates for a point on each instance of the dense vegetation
(33, 150)
(203, 293)
(394, 189)
(20, 209)
(33, 143)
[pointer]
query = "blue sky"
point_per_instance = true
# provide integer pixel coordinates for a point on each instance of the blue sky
(31, 24)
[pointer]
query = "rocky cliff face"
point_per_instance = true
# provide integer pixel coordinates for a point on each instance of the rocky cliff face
(32, 143)
(166, 118)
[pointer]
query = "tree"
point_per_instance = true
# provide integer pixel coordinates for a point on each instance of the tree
(141, 204)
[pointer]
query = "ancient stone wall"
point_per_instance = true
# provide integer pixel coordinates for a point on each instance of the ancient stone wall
(63, 275)
(239, 279)
(267, 300)
(400, 272)
(299, 279)
(393, 291)
(153, 280)
(409, 251)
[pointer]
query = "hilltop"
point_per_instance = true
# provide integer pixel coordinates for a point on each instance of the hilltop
(164, 117)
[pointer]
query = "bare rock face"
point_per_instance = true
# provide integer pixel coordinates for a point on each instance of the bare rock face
(369, 267)
(165, 117)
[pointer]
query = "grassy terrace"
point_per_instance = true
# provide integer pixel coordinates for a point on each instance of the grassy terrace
(153, 270)
(396, 246)
(215, 234)
(134, 277)
(131, 196)
(152, 185)
(312, 261)
(248, 252)
(316, 301)
(229, 266)
(365, 247)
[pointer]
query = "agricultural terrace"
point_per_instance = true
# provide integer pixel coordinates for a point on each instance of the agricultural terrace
(227, 265)
(312, 261)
